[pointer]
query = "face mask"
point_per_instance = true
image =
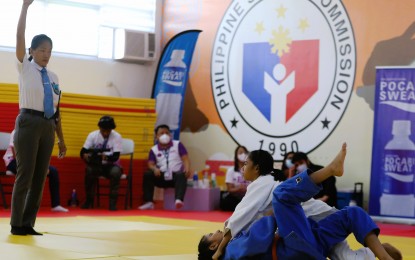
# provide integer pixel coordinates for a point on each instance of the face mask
(164, 139)
(289, 163)
(242, 157)
(301, 168)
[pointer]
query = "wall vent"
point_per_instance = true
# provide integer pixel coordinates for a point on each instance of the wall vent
(134, 46)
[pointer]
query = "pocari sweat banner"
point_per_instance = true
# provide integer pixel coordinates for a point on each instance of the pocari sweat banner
(392, 184)
(171, 79)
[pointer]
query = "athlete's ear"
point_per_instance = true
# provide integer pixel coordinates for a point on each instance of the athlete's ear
(213, 246)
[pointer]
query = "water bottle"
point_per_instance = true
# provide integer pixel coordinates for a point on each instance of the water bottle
(73, 201)
(195, 179)
(206, 180)
(398, 175)
(213, 180)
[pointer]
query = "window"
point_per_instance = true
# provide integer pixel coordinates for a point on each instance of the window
(83, 27)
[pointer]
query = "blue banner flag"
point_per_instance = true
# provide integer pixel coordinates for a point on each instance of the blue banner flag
(392, 184)
(171, 79)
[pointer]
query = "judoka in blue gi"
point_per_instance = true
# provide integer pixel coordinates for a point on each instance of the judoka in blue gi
(299, 237)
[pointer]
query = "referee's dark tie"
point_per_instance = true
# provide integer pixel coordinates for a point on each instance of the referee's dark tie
(48, 99)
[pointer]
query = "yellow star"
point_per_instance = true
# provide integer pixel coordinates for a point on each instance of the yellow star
(281, 11)
(260, 28)
(303, 24)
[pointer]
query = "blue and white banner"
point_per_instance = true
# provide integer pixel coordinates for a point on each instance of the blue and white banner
(392, 184)
(171, 79)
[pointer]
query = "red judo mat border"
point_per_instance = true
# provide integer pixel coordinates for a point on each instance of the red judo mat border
(387, 229)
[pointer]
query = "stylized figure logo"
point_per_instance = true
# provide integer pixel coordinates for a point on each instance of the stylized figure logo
(289, 81)
(283, 72)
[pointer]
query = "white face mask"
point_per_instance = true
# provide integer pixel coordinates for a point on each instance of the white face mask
(164, 139)
(301, 167)
(289, 163)
(242, 157)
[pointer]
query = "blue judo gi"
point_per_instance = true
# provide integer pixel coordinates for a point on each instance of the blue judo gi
(300, 237)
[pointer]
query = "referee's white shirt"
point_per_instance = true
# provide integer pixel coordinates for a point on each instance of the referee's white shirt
(31, 91)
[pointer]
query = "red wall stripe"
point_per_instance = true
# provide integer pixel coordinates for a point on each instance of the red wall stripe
(115, 109)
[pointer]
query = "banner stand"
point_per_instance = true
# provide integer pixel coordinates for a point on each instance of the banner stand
(392, 181)
(171, 79)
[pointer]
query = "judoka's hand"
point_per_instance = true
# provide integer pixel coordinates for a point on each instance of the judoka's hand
(291, 172)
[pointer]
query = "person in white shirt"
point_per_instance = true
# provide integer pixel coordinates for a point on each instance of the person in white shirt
(53, 175)
(235, 182)
(36, 125)
(101, 153)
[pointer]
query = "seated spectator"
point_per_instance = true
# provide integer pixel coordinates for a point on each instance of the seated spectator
(101, 153)
(235, 182)
(10, 162)
(168, 166)
(288, 168)
(329, 192)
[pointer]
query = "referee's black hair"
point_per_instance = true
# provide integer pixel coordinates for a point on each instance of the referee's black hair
(38, 40)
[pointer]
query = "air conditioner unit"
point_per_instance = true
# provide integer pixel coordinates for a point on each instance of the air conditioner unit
(134, 46)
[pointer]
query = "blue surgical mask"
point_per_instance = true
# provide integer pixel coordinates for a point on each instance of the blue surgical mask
(289, 163)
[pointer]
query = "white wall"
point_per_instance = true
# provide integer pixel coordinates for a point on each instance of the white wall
(89, 75)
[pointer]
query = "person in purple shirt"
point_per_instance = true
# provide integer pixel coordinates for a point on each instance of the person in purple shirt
(168, 166)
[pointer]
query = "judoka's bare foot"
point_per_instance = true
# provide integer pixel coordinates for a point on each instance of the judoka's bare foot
(392, 251)
(337, 165)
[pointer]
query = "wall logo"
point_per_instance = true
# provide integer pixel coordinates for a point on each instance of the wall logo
(283, 72)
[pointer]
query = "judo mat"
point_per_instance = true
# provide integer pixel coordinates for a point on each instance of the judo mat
(134, 234)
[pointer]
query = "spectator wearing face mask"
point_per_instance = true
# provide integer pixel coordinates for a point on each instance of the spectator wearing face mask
(329, 192)
(168, 166)
(235, 182)
(288, 167)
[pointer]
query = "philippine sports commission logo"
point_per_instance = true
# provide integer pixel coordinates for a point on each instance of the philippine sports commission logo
(282, 72)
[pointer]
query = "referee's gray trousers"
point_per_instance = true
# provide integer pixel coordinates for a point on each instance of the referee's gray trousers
(33, 143)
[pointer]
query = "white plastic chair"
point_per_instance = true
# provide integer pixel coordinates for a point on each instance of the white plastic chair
(4, 144)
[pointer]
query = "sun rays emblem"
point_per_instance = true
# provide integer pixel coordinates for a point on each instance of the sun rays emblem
(280, 41)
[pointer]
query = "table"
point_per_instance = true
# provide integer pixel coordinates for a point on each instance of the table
(196, 199)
